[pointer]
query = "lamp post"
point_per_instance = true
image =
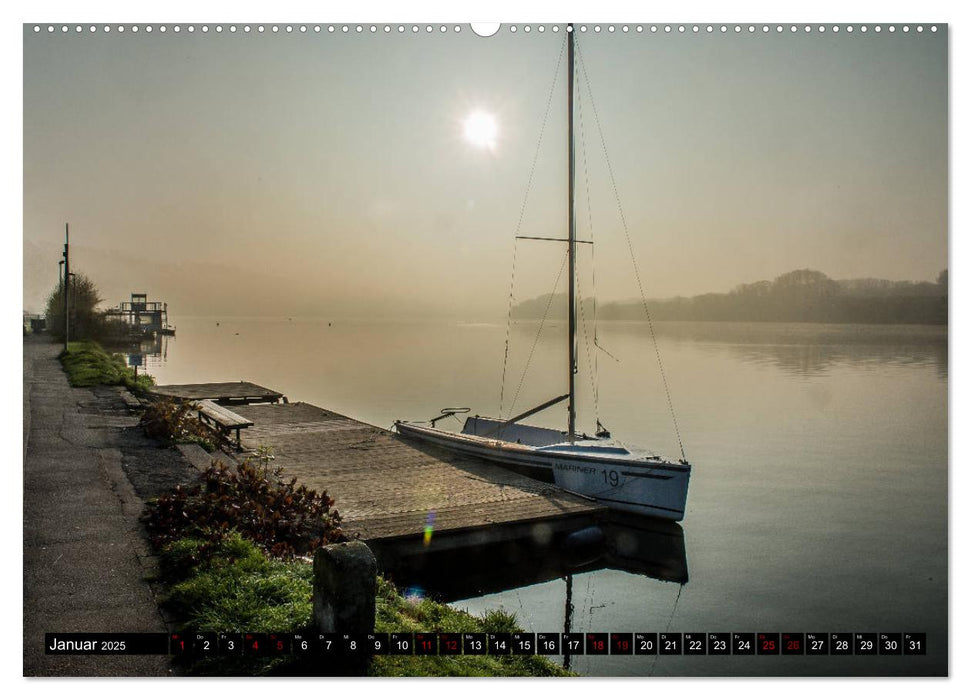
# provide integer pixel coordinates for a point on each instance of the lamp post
(67, 276)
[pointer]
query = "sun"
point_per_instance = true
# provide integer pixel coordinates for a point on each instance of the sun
(481, 129)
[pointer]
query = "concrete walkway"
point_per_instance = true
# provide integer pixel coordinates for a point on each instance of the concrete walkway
(85, 561)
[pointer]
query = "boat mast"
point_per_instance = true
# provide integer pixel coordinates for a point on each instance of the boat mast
(571, 240)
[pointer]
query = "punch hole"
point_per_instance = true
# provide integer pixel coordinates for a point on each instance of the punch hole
(667, 28)
(640, 28)
(891, 28)
(512, 29)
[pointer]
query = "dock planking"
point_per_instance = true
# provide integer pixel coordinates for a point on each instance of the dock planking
(225, 393)
(386, 487)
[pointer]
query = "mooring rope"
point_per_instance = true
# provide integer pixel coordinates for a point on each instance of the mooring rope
(630, 248)
(519, 224)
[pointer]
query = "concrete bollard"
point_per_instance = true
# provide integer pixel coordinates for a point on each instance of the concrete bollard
(345, 581)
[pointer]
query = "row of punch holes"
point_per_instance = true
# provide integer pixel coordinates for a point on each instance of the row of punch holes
(512, 28)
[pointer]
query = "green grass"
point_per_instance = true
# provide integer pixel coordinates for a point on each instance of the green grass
(398, 614)
(236, 588)
(87, 364)
(232, 586)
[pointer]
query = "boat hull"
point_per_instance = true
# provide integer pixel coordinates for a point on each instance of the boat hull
(655, 488)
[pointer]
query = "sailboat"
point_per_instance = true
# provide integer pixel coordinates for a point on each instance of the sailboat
(598, 467)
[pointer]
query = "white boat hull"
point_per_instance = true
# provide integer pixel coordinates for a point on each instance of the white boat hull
(613, 476)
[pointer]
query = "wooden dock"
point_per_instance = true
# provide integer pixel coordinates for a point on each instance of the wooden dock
(224, 393)
(385, 487)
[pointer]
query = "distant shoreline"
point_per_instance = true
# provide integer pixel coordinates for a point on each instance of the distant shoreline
(800, 296)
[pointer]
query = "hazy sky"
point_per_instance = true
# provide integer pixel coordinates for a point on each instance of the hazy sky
(329, 174)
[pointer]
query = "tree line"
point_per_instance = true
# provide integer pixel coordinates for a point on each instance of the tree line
(798, 296)
(87, 322)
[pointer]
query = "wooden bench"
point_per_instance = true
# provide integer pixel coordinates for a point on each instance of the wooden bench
(221, 418)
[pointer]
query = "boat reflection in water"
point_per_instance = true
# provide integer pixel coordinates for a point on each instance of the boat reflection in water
(640, 545)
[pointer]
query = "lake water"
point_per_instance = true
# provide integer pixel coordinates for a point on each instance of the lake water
(818, 498)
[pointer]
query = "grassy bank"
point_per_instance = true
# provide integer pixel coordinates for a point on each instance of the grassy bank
(87, 364)
(233, 586)
(234, 556)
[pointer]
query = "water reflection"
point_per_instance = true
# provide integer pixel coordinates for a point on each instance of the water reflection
(639, 545)
(144, 353)
(810, 349)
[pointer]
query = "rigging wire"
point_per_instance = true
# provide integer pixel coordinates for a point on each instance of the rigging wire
(670, 620)
(519, 223)
(549, 303)
(592, 364)
(630, 248)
